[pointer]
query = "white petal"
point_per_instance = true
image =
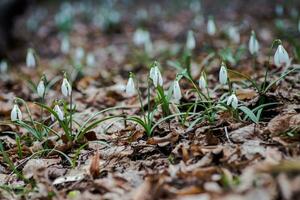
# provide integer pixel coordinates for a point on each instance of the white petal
(41, 88)
(281, 57)
(130, 88)
(65, 45)
(66, 88)
(59, 112)
(223, 75)
(3, 66)
(234, 102)
(229, 100)
(253, 44)
(211, 27)
(90, 60)
(30, 59)
(16, 113)
(202, 82)
(190, 41)
(176, 91)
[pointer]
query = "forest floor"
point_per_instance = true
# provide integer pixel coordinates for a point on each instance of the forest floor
(200, 149)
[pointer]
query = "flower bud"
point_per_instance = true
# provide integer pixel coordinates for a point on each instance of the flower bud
(30, 59)
(281, 57)
(190, 41)
(3, 66)
(16, 113)
(130, 88)
(253, 44)
(223, 74)
(176, 91)
(41, 88)
(65, 45)
(211, 26)
(202, 81)
(66, 88)
(59, 113)
(90, 60)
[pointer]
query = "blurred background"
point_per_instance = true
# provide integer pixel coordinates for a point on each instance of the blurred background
(42, 25)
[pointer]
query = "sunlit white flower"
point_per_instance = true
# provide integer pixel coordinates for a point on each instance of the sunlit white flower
(202, 82)
(141, 37)
(3, 66)
(190, 41)
(232, 100)
(130, 88)
(66, 88)
(59, 113)
(155, 76)
(281, 57)
(90, 60)
(79, 54)
(30, 59)
(16, 113)
(176, 91)
(223, 74)
(234, 34)
(65, 45)
(253, 44)
(299, 25)
(41, 88)
(211, 26)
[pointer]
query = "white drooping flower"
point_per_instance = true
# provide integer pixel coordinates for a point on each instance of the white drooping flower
(141, 37)
(253, 44)
(130, 88)
(41, 88)
(202, 82)
(232, 100)
(281, 57)
(79, 54)
(30, 59)
(234, 34)
(16, 113)
(59, 113)
(155, 76)
(223, 74)
(211, 26)
(190, 41)
(3, 66)
(299, 25)
(90, 60)
(66, 88)
(65, 45)
(176, 91)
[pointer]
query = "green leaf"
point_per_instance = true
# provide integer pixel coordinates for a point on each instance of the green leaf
(249, 113)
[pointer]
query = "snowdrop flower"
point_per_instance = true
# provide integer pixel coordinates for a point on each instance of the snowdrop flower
(253, 44)
(3, 66)
(234, 34)
(41, 87)
(130, 88)
(232, 100)
(279, 9)
(66, 88)
(176, 91)
(30, 59)
(211, 26)
(281, 57)
(79, 54)
(223, 74)
(90, 60)
(59, 113)
(16, 113)
(202, 81)
(190, 41)
(299, 25)
(65, 45)
(155, 76)
(141, 37)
